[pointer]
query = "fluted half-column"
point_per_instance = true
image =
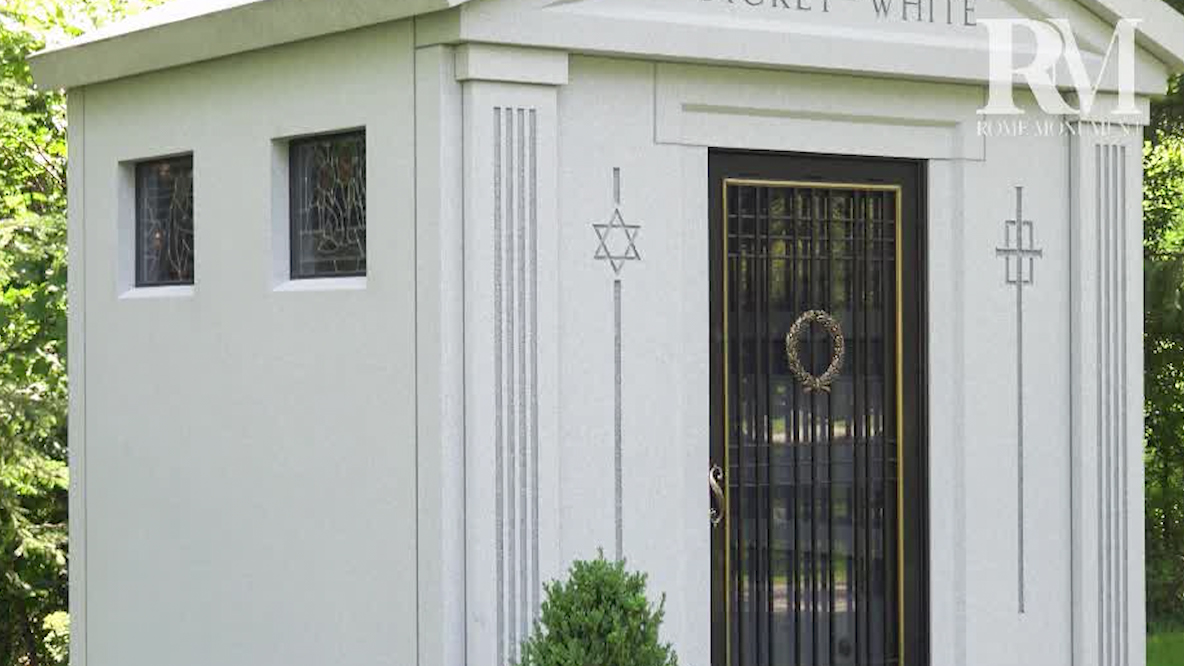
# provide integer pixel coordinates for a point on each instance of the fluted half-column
(1107, 315)
(511, 342)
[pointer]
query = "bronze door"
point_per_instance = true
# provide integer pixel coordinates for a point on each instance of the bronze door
(816, 473)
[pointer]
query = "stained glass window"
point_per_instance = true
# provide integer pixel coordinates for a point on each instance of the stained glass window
(328, 205)
(164, 222)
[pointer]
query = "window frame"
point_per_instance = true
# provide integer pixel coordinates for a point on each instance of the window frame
(139, 280)
(293, 242)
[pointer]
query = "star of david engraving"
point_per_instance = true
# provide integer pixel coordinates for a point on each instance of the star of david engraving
(618, 239)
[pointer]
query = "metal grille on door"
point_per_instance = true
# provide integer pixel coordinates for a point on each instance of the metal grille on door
(810, 479)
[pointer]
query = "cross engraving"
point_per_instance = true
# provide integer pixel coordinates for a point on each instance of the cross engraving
(1020, 254)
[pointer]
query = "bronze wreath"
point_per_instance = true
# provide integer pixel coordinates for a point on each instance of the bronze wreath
(838, 349)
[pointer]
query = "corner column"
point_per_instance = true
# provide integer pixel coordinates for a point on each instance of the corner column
(1107, 336)
(439, 340)
(76, 360)
(511, 340)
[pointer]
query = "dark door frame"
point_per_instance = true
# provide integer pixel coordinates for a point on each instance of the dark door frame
(912, 175)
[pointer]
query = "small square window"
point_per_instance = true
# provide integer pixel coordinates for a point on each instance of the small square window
(164, 222)
(327, 181)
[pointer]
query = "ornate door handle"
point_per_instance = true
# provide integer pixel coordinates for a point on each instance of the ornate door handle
(715, 479)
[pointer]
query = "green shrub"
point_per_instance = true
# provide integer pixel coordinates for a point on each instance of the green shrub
(600, 616)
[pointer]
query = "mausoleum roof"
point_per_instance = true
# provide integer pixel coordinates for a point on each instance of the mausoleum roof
(187, 31)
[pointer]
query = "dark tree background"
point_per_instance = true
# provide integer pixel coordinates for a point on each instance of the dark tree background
(1167, 115)
(1163, 206)
(34, 626)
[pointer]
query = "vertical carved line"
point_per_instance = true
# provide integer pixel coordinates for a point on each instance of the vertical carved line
(617, 435)
(1098, 380)
(534, 365)
(512, 411)
(1115, 416)
(1104, 433)
(1115, 608)
(523, 401)
(1112, 417)
(1098, 244)
(497, 391)
(1019, 374)
(1111, 408)
(1120, 183)
(1108, 376)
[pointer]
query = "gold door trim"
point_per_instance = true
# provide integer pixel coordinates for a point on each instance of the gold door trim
(727, 508)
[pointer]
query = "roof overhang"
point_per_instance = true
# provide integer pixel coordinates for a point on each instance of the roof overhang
(1161, 30)
(187, 31)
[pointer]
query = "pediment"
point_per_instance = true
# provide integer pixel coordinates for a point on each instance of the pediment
(918, 39)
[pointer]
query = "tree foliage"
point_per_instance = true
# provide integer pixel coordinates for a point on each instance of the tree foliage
(1163, 209)
(33, 471)
(599, 616)
(1167, 114)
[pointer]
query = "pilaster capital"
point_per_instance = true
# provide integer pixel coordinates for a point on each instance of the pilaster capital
(511, 64)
